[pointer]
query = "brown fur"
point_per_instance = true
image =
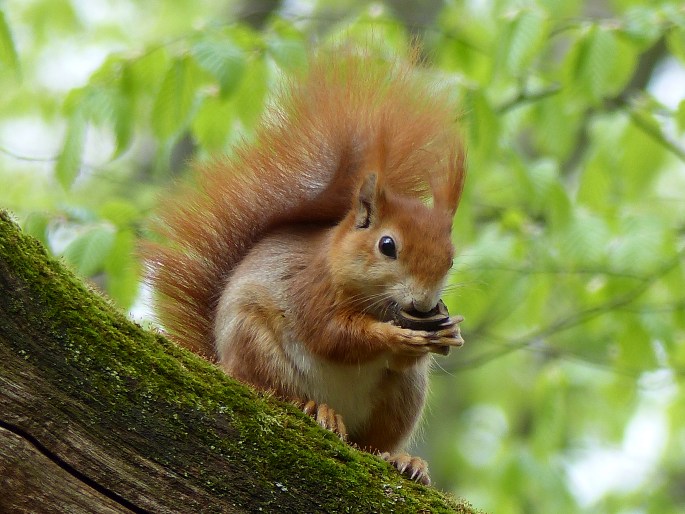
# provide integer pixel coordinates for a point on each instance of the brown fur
(395, 416)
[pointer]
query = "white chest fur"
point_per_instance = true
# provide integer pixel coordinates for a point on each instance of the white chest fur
(349, 389)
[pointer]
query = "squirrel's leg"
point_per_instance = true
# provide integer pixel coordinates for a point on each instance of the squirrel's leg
(414, 467)
(250, 351)
(324, 416)
(393, 420)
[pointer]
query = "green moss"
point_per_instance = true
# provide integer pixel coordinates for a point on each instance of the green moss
(125, 381)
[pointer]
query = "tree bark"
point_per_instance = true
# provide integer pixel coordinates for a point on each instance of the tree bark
(99, 415)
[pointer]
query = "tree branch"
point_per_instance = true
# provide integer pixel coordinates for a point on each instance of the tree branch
(98, 415)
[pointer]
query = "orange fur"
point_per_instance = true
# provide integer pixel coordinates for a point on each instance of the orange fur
(272, 265)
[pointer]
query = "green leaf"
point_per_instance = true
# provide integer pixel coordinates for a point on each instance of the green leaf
(600, 181)
(375, 30)
(491, 249)
(558, 206)
(460, 56)
(641, 155)
(676, 42)
(145, 72)
(597, 185)
(106, 105)
(563, 9)
(680, 116)
(585, 241)
(174, 100)
(621, 67)
(99, 104)
(557, 121)
(73, 101)
(127, 95)
(640, 247)
(36, 225)
(214, 123)
(124, 118)
(121, 213)
(87, 253)
(483, 124)
(547, 194)
(8, 52)
(69, 161)
(634, 346)
(288, 53)
(541, 176)
(643, 25)
(550, 410)
(286, 45)
(224, 60)
(250, 97)
(526, 35)
(49, 19)
(590, 63)
(122, 269)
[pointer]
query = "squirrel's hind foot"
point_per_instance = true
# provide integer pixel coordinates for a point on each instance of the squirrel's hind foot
(326, 417)
(414, 468)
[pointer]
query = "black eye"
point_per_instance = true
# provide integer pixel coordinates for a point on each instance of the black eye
(387, 247)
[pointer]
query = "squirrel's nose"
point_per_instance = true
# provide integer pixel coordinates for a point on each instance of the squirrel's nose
(423, 306)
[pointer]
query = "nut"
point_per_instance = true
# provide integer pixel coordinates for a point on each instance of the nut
(429, 321)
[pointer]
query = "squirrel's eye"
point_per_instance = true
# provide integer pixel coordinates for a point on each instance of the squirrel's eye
(387, 247)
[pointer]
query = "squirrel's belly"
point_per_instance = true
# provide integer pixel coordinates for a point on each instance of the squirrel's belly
(351, 390)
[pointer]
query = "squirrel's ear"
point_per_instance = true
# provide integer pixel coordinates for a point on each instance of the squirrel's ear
(447, 190)
(368, 200)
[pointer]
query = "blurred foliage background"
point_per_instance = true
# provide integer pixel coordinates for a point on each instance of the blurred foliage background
(568, 396)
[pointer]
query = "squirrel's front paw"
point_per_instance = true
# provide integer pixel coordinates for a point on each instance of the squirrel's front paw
(449, 335)
(326, 417)
(419, 342)
(415, 468)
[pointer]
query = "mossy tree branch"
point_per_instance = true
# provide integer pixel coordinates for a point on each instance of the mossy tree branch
(98, 415)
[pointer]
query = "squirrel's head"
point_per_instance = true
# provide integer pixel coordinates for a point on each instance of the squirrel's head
(393, 249)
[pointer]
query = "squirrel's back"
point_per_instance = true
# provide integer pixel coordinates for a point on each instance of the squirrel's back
(348, 114)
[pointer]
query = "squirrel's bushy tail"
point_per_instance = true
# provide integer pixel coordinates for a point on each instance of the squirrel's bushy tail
(348, 114)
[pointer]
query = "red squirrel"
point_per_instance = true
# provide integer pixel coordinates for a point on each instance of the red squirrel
(286, 260)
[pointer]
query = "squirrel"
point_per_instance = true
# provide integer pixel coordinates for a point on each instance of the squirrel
(285, 262)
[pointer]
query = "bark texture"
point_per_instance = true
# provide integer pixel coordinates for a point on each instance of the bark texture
(99, 415)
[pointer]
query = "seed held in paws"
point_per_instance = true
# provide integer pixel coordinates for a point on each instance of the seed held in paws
(435, 320)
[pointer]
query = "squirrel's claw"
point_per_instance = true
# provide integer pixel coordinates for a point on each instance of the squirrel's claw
(451, 336)
(419, 339)
(326, 417)
(415, 468)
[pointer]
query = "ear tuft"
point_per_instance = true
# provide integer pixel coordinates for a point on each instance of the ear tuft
(447, 191)
(367, 201)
